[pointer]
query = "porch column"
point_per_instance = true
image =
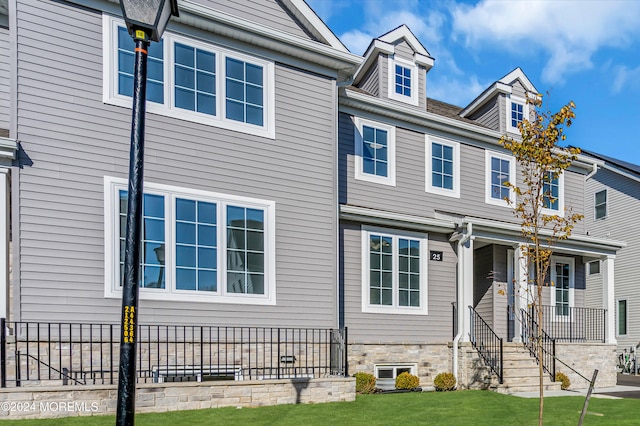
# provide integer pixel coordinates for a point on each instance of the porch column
(467, 287)
(4, 243)
(608, 298)
(521, 286)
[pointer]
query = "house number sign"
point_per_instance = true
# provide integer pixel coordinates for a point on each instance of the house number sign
(436, 256)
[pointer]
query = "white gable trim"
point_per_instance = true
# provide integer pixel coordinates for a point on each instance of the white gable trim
(306, 15)
(518, 74)
(492, 91)
(404, 32)
(371, 55)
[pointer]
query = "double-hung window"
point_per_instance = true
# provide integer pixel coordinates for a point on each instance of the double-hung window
(553, 194)
(403, 81)
(622, 317)
(192, 80)
(562, 292)
(601, 204)
(442, 167)
(394, 272)
(500, 168)
(517, 112)
(375, 148)
(196, 245)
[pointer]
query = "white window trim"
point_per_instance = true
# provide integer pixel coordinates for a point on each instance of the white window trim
(560, 211)
(572, 286)
(415, 78)
(455, 192)
(626, 319)
(488, 155)
(390, 179)
(110, 94)
(394, 308)
(413, 369)
(525, 112)
(588, 265)
(606, 204)
(112, 288)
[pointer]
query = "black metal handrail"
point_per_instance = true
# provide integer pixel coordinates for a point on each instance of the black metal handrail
(573, 324)
(487, 343)
(530, 335)
(83, 353)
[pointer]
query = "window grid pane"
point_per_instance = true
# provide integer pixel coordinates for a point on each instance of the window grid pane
(126, 65)
(195, 79)
(152, 262)
(499, 175)
(551, 192)
(409, 272)
(562, 289)
(517, 113)
(601, 204)
(375, 151)
(244, 92)
(381, 270)
(245, 250)
(196, 232)
(442, 166)
(403, 80)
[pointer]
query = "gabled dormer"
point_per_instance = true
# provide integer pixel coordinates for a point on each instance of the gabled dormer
(503, 104)
(395, 67)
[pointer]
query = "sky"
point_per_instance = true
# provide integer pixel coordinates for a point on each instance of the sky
(583, 51)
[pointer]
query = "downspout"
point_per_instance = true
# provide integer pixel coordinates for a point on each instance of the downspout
(592, 172)
(456, 340)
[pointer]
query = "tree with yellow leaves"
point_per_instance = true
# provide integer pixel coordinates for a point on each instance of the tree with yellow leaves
(541, 161)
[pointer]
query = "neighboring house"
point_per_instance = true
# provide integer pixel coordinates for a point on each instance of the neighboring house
(288, 183)
(612, 200)
(424, 223)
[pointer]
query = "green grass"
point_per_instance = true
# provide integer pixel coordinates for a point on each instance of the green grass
(451, 408)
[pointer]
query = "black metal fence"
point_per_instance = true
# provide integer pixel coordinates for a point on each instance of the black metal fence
(488, 344)
(530, 335)
(81, 353)
(574, 325)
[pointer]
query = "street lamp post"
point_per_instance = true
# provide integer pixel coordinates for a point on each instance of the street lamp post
(146, 21)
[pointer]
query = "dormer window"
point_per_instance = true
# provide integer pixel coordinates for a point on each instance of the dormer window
(517, 112)
(403, 81)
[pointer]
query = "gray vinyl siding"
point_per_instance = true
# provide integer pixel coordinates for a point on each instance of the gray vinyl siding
(4, 78)
(409, 195)
(71, 140)
(404, 51)
(265, 12)
(371, 81)
(489, 114)
(397, 328)
(623, 204)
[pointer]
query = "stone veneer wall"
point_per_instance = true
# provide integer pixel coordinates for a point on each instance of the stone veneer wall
(473, 373)
(431, 358)
(585, 357)
(65, 401)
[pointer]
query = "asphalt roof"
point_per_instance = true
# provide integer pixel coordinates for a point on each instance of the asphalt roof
(630, 167)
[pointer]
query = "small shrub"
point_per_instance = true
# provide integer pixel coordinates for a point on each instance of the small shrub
(407, 380)
(365, 383)
(445, 382)
(561, 377)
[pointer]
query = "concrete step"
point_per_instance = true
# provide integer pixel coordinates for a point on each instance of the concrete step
(509, 389)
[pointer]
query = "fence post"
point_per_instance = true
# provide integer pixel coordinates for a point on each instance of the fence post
(604, 325)
(278, 359)
(553, 363)
(501, 362)
(18, 368)
(3, 353)
(346, 355)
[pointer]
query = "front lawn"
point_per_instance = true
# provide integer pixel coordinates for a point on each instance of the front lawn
(451, 408)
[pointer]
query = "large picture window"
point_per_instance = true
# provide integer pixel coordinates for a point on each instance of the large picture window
(394, 272)
(196, 245)
(192, 80)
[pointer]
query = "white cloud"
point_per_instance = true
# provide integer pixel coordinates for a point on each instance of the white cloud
(626, 78)
(356, 41)
(456, 91)
(568, 32)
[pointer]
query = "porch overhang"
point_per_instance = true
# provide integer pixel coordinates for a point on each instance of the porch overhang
(511, 234)
(393, 219)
